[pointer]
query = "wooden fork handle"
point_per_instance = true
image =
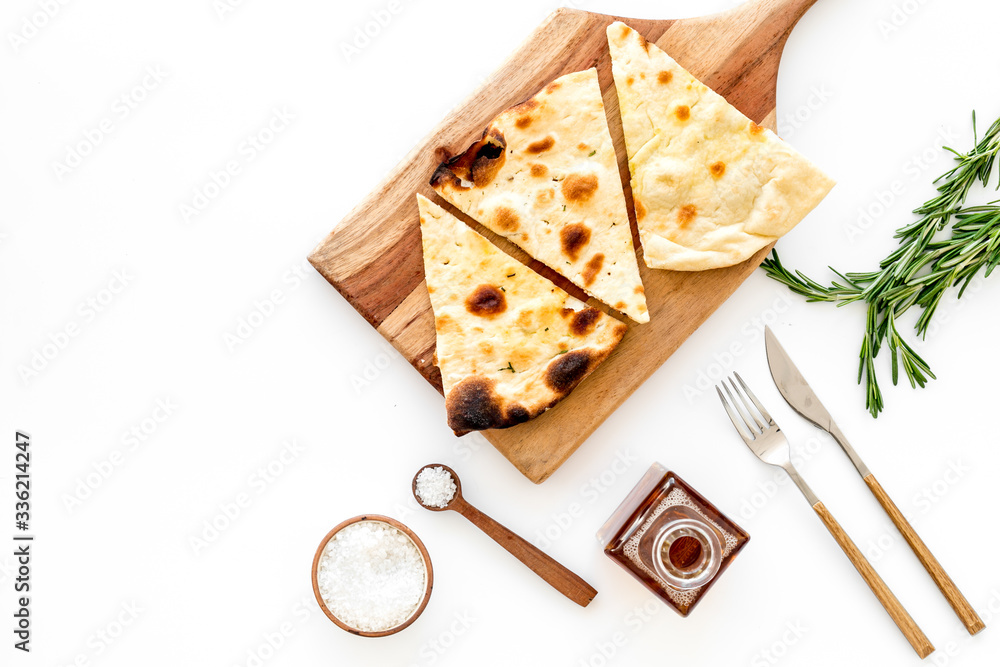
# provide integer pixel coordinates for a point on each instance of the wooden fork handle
(556, 575)
(918, 640)
(954, 596)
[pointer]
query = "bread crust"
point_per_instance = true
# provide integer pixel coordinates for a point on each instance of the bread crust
(510, 343)
(710, 186)
(546, 166)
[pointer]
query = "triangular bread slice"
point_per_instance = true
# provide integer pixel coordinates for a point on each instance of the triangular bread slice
(710, 186)
(545, 176)
(510, 344)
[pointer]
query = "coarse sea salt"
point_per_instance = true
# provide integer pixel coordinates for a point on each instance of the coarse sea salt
(435, 486)
(371, 576)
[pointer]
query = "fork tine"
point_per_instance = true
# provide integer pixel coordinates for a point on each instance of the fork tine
(746, 404)
(754, 399)
(746, 419)
(732, 415)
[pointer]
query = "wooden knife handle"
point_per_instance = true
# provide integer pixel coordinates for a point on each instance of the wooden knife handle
(954, 596)
(558, 576)
(918, 640)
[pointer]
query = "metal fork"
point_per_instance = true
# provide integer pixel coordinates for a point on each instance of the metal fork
(766, 440)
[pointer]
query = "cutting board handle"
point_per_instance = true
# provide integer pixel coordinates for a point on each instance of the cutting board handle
(793, 9)
(780, 15)
(737, 52)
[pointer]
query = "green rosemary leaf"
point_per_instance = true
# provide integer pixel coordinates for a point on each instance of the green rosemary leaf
(893, 348)
(920, 270)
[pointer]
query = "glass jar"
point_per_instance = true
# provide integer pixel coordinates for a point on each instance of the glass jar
(670, 538)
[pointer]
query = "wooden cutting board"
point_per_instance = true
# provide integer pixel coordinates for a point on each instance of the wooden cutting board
(373, 257)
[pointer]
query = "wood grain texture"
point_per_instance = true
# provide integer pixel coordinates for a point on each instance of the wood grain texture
(556, 575)
(373, 257)
(970, 619)
(918, 640)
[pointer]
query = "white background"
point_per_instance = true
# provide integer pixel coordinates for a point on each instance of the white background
(363, 420)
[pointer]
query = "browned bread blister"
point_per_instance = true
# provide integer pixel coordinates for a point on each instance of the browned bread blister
(510, 343)
(545, 176)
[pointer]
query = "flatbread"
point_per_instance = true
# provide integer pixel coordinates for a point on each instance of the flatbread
(510, 344)
(710, 186)
(545, 176)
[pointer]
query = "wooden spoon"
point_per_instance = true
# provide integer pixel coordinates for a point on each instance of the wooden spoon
(557, 576)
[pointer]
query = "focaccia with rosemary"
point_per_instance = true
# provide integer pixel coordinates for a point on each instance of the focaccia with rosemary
(710, 186)
(510, 343)
(545, 176)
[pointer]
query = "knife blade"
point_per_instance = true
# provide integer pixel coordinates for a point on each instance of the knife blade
(797, 393)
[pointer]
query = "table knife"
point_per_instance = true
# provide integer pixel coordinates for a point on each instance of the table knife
(797, 392)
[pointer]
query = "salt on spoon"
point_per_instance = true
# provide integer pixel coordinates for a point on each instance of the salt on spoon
(437, 488)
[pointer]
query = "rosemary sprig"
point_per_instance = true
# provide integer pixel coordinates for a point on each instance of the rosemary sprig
(920, 270)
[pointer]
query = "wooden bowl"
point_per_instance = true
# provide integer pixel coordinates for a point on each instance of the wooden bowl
(429, 570)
